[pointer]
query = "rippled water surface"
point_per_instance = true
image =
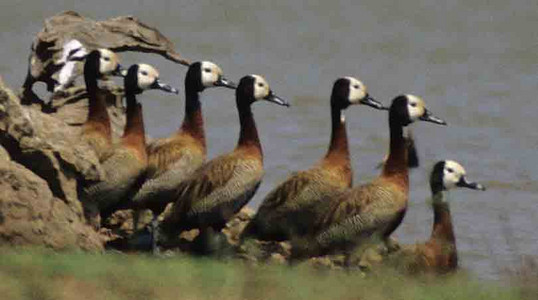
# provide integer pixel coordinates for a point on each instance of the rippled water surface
(473, 62)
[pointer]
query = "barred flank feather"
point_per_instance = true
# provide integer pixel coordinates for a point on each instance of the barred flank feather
(293, 208)
(215, 192)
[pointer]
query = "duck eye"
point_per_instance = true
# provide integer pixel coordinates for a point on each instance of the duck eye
(356, 86)
(144, 73)
(449, 170)
(106, 58)
(208, 70)
(413, 104)
(260, 84)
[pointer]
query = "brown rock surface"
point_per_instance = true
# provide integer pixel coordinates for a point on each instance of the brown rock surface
(31, 215)
(42, 163)
(47, 146)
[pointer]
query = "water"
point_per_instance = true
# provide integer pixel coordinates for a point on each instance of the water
(473, 63)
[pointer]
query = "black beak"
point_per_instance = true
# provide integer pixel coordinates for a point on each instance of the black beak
(472, 185)
(373, 103)
(120, 71)
(163, 86)
(226, 83)
(428, 117)
(273, 98)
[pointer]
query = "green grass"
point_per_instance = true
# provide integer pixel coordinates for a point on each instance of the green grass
(42, 274)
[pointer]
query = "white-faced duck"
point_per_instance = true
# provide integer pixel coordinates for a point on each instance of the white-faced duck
(438, 254)
(97, 130)
(125, 162)
(73, 53)
(293, 208)
(222, 186)
(376, 209)
(172, 159)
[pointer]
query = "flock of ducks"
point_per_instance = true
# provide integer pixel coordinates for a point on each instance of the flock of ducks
(317, 210)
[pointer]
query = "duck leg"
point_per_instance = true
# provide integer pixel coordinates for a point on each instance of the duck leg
(136, 219)
(155, 235)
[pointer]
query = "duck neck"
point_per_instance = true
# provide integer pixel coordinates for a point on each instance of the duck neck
(442, 220)
(337, 155)
(97, 111)
(134, 134)
(248, 135)
(193, 122)
(396, 165)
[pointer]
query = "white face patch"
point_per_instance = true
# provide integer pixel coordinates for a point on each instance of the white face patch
(73, 52)
(108, 61)
(210, 73)
(415, 107)
(147, 75)
(261, 87)
(66, 76)
(452, 174)
(72, 49)
(357, 90)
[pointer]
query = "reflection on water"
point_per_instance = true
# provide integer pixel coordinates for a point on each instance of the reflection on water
(474, 64)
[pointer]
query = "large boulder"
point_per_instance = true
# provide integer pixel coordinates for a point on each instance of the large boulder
(124, 33)
(42, 165)
(43, 162)
(47, 146)
(31, 215)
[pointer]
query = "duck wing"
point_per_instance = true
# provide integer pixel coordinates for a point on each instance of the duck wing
(216, 191)
(359, 213)
(171, 153)
(294, 207)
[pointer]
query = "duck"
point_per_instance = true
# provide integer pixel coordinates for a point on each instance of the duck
(222, 186)
(96, 130)
(438, 255)
(290, 209)
(126, 162)
(375, 209)
(171, 160)
(73, 53)
(413, 160)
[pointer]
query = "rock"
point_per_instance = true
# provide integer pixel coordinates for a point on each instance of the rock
(265, 251)
(326, 262)
(31, 215)
(48, 147)
(235, 226)
(121, 222)
(44, 148)
(119, 34)
(4, 155)
(277, 259)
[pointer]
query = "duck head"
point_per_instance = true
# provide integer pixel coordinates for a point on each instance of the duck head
(448, 174)
(142, 77)
(103, 62)
(205, 74)
(406, 109)
(349, 91)
(252, 88)
(73, 51)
